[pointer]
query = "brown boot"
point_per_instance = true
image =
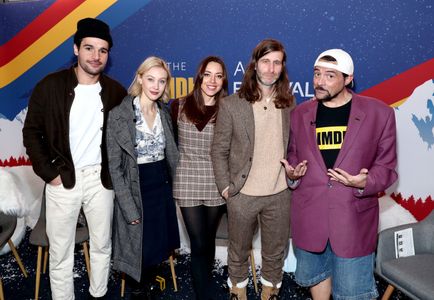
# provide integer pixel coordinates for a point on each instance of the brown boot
(238, 293)
(269, 293)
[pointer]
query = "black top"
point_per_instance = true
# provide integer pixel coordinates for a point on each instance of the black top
(206, 117)
(331, 126)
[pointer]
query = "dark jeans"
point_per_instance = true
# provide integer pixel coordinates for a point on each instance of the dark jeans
(201, 223)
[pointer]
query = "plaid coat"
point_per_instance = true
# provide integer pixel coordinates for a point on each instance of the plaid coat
(194, 182)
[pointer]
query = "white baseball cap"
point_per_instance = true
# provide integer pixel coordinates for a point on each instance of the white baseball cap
(344, 62)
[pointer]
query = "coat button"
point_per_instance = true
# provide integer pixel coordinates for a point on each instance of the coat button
(329, 184)
(243, 176)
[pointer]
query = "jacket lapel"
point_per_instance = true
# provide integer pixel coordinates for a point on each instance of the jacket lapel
(71, 84)
(164, 118)
(244, 110)
(309, 118)
(125, 127)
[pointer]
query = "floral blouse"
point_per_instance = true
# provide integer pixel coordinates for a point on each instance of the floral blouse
(150, 142)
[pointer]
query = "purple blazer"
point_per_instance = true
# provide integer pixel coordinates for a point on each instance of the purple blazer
(322, 209)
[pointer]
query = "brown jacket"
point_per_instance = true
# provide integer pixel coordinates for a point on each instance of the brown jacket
(46, 128)
(234, 137)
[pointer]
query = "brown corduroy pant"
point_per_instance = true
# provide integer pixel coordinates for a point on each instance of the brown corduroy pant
(273, 214)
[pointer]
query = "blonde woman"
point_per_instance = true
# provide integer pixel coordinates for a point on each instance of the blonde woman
(142, 158)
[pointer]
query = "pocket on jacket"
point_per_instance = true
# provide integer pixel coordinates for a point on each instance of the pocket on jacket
(232, 198)
(301, 199)
(58, 162)
(365, 204)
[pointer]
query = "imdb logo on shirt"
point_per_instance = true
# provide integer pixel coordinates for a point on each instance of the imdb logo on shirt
(330, 137)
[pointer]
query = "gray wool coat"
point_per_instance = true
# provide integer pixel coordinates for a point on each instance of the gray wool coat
(128, 239)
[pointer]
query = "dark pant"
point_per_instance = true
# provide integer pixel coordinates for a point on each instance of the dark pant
(243, 213)
(159, 222)
(201, 223)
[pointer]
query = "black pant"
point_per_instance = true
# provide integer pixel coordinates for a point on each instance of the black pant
(202, 223)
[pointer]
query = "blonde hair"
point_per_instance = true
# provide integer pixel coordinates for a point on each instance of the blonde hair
(135, 88)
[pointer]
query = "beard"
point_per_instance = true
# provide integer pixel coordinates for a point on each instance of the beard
(92, 70)
(266, 83)
(326, 96)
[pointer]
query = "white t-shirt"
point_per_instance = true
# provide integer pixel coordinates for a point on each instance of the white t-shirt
(85, 125)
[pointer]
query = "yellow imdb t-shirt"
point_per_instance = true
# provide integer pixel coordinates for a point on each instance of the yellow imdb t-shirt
(331, 126)
(330, 137)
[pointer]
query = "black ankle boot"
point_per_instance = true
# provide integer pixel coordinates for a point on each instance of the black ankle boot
(135, 295)
(143, 293)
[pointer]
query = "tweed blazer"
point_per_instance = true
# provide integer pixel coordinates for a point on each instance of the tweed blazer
(233, 143)
(122, 157)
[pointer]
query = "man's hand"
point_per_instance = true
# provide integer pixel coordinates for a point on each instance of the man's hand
(297, 172)
(225, 193)
(135, 222)
(56, 181)
(357, 181)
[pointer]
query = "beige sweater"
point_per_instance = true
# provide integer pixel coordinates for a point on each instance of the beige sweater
(267, 175)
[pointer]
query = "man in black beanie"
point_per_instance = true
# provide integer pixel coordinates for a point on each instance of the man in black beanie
(64, 135)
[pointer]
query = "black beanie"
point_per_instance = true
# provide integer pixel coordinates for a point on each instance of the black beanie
(89, 27)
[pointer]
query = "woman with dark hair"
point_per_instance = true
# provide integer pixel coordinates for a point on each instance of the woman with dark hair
(194, 186)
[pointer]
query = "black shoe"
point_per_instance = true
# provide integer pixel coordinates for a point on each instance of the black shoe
(137, 296)
(141, 294)
(233, 297)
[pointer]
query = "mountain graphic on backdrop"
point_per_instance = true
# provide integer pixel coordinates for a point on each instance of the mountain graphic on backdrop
(13, 153)
(425, 125)
(415, 134)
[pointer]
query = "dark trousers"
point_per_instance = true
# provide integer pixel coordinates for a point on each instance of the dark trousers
(243, 214)
(201, 223)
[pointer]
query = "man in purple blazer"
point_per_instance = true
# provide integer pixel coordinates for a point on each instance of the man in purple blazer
(342, 154)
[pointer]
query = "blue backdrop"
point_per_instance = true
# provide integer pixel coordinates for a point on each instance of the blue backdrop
(385, 38)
